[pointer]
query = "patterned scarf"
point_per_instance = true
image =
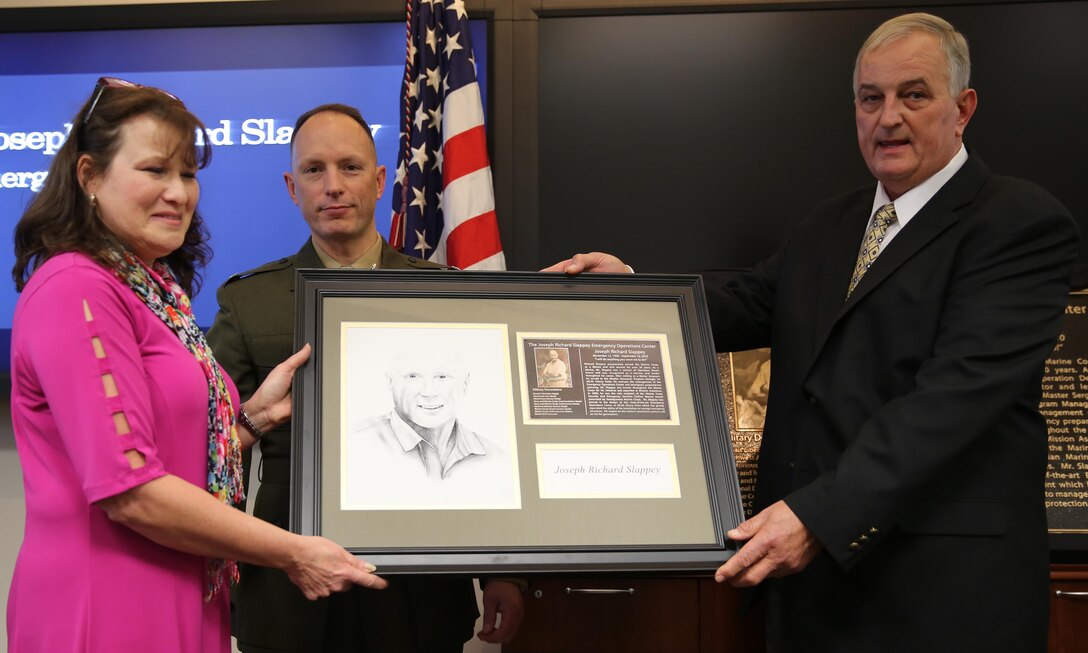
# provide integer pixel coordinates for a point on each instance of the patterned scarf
(160, 291)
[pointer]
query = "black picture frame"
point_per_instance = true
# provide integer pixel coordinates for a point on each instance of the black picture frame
(558, 519)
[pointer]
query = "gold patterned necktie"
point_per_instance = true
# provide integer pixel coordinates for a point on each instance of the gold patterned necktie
(870, 248)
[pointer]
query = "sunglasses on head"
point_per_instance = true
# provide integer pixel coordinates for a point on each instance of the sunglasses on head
(114, 82)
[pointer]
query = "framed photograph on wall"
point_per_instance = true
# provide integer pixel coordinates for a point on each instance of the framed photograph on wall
(483, 422)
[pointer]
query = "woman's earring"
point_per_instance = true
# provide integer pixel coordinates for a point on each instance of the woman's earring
(94, 201)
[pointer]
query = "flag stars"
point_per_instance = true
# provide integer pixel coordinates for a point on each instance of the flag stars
(438, 158)
(436, 118)
(412, 50)
(452, 45)
(432, 40)
(413, 89)
(420, 200)
(432, 78)
(459, 7)
(419, 156)
(421, 243)
(402, 171)
(421, 115)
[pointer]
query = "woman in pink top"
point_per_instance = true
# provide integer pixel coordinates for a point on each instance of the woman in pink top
(128, 432)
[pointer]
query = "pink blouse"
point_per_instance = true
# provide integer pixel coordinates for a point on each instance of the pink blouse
(83, 583)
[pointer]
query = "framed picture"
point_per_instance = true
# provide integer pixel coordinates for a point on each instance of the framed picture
(483, 422)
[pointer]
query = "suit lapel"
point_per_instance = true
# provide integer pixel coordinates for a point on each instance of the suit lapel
(923, 227)
(391, 258)
(840, 254)
(305, 258)
(938, 215)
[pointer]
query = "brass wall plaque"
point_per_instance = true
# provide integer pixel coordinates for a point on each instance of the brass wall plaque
(746, 377)
(1065, 406)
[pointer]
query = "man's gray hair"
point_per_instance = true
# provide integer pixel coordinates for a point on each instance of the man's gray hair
(953, 45)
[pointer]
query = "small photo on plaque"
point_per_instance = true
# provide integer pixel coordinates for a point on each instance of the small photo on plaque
(552, 367)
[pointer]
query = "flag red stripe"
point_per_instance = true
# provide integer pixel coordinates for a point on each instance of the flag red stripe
(464, 153)
(473, 240)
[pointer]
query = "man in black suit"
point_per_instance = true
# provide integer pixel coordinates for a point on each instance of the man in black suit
(900, 487)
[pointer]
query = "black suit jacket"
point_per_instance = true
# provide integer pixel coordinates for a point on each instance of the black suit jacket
(253, 332)
(903, 425)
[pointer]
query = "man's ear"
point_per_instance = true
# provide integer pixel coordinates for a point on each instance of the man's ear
(966, 104)
(289, 179)
(381, 181)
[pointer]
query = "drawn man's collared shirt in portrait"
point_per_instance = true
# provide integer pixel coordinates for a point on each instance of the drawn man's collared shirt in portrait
(388, 465)
(394, 432)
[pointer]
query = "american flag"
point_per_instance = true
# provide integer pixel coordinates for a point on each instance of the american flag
(443, 199)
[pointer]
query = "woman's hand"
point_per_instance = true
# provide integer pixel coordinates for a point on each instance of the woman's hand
(321, 567)
(177, 514)
(270, 405)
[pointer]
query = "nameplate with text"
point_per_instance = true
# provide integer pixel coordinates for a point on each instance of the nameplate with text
(607, 471)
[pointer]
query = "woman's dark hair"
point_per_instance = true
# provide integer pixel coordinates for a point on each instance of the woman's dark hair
(62, 219)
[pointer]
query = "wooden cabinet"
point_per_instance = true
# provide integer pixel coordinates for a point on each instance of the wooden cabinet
(697, 615)
(644, 615)
(1068, 609)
